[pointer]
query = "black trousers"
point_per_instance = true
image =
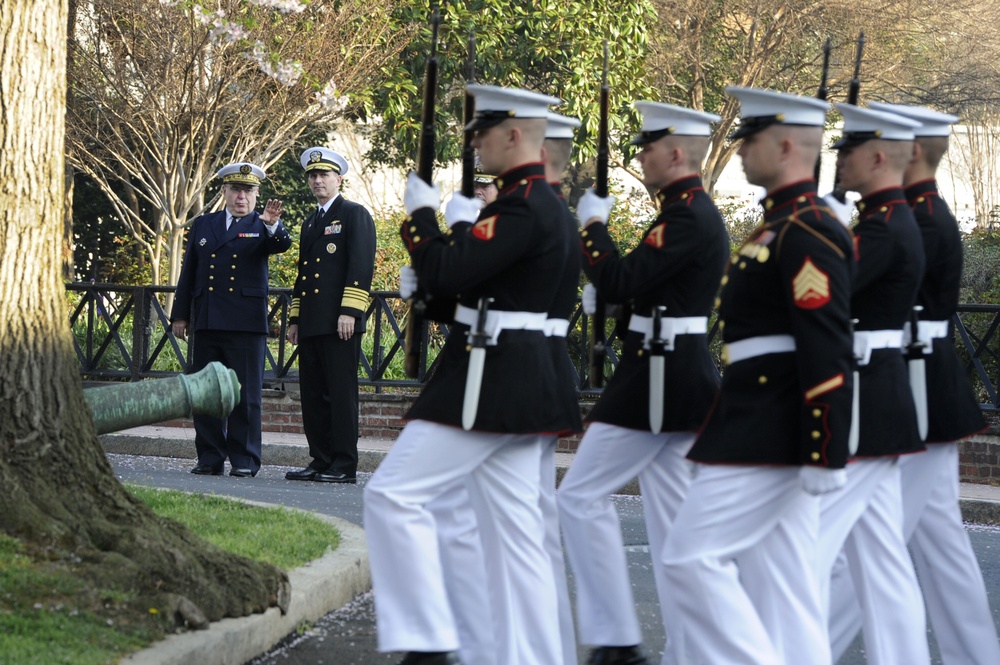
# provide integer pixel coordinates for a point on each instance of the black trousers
(328, 378)
(238, 436)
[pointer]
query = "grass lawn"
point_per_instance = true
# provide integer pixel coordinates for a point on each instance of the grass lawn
(48, 615)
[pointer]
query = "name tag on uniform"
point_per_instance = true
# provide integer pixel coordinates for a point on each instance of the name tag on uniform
(332, 229)
(247, 235)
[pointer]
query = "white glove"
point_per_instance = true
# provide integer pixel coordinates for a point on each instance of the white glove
(420, 195)
(461, 209)
(592, 206)
(407, 282)
(820, 480)
(589, 299)
(844, 211)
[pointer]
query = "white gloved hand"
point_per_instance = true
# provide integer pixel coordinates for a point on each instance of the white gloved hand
(594, 207)
(407, 282)
(844, 211)
(420, 195)
(820, 480)
(589, 299)
(461, 209)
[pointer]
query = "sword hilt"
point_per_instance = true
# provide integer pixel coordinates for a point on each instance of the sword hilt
(478, 335)
(656, 341)
(916, 346)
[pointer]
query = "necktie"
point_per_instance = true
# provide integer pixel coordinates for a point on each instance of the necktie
(232, 220)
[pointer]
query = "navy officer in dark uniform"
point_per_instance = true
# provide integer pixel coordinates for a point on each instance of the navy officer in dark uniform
(946, 565)
(864, 519)
(222, 302)
(511, 259)
(677, 266)
(740, 557)
(327, 318)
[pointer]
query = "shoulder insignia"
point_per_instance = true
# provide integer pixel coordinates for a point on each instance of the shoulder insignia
(485, 229)
(655, 237)
(810, 286)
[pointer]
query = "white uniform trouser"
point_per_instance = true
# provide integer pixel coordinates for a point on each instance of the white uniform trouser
(411, 604)
(865, 520)
(739, 565)
(946, 565)
(465, 571)
(607, 458)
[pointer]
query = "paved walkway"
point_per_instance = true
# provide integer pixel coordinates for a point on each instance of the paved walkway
(331, 582)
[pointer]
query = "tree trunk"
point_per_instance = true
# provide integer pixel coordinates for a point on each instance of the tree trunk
(59, 493)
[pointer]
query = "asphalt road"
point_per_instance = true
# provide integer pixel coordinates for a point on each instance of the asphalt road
(347, 637)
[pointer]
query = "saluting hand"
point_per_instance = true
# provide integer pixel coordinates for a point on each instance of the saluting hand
(272, 212)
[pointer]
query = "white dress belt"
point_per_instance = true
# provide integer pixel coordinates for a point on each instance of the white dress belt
(556, 327)
(498, 320)
(927, 332)
(866, 341)
(751, 347)
(670, 328)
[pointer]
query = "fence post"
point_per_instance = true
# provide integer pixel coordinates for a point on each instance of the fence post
(141, 330)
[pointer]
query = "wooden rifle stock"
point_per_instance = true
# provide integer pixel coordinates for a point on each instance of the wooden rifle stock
(823, 93)
(853, 91)
(415, 322)
(468, 152)
(598, 338)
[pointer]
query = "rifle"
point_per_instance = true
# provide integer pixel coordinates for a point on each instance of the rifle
(823, 93)
(425, 167)
(468, 152)
(598, 338)
(853, 90)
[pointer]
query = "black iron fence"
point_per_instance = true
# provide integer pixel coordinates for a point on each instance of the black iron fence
(123, 333)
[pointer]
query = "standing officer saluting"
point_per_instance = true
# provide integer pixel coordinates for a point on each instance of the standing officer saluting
(740, 557)
(505, 270)
(670, 279)
(327, 319)
(864, 519)
(222, 301)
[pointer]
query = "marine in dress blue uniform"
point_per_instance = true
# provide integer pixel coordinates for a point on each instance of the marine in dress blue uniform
(515, 255)
(221, 301)
(676, 266)
(740, 556)
(863, 520)
(946, 565)
(327, 318)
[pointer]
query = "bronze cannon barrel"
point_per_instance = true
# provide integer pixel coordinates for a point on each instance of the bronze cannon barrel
(212, 391)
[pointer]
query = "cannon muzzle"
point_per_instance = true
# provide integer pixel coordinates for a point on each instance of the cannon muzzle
(213, 391)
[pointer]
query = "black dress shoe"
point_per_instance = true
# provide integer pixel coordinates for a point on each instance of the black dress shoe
(307, 473)
(206, 470)
(431, 658)
(617, 656)
(331, 476)
(241, 472)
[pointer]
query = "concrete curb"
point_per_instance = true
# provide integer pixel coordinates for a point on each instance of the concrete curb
(318, 588)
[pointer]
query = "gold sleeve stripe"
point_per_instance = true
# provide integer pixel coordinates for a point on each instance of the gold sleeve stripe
(825, 387)
(293, 311)
(355, 298)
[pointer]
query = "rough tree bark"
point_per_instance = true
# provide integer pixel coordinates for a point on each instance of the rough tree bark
(58, 494)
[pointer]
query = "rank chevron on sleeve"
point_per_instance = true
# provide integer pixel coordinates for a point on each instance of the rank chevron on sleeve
(811, 286)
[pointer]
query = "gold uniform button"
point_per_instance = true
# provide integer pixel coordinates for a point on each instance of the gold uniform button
(816, 434)
(817, 413)
(233, 266)
(725, 279)
(305, 263)
(230, 289)
(884, 209)
(815, 457)
(768, 204)
(590, 243)
(717, 303)
(861, 207)
(232, 279)
(211, 276)
(595, 254)
(211, 288)
(316, 275)
(413, 229)
(316, 291)
(762, 380)
(734, 258)
(722, 324)
(234, 256)
(416, 238)
(639, 353)
(801, 199)
(213, 256)
(468, 347)
(584, 232)
(523, 183)
(743, 265)
(684, 196)
(317, 259)
(763, 254)
(211, 266)
(920, 199)
(303, 293)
